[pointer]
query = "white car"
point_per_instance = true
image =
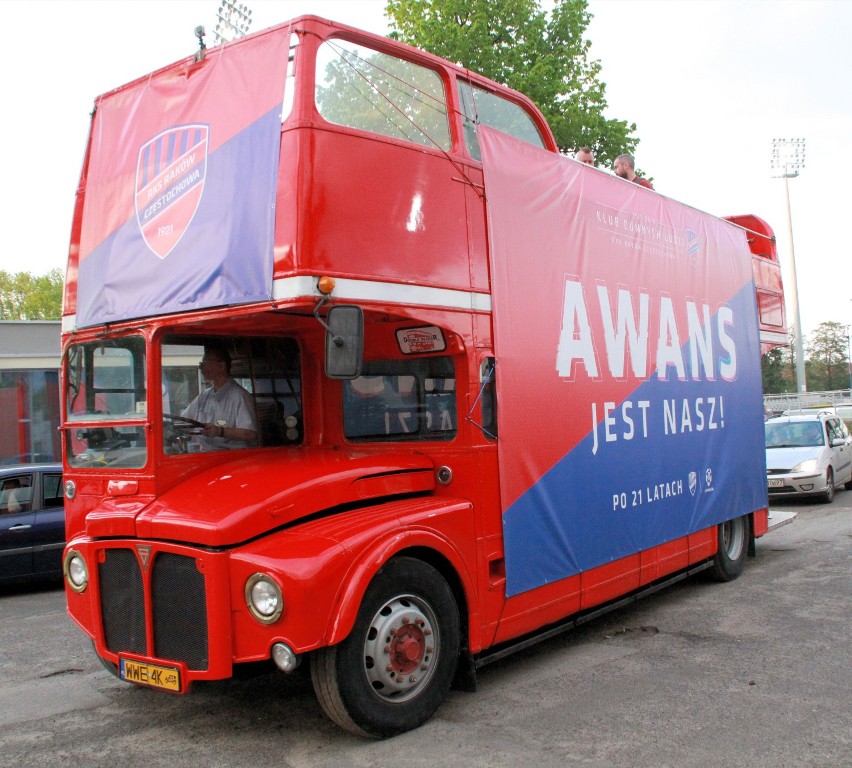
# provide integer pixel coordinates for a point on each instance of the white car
(808, 455)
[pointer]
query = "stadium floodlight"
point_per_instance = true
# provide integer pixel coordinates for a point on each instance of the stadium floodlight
(788, 158)
(234, 20)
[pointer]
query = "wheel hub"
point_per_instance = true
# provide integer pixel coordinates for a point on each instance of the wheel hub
(400, 650)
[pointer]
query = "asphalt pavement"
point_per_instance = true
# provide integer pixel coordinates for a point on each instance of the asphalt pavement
(751, 673)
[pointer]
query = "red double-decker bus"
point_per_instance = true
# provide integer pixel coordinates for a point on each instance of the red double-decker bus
(359, 371)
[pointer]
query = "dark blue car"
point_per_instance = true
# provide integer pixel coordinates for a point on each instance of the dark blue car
(32, 522)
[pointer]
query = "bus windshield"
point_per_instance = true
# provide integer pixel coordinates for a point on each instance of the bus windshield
(224, 394)
(105, 382)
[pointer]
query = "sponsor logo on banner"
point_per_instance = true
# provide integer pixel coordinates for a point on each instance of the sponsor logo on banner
(693, 246)
(170, 177)
(693, 482)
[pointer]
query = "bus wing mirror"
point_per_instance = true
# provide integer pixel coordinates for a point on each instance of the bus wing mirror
(344, 342)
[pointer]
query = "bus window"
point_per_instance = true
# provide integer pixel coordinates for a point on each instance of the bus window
(363, 88)
(105, 382)
(484, 108)
(401, 400)
(249, 386)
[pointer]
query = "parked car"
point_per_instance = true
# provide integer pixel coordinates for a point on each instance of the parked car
(845, 413)
(808, 454)
(32, 522)
(28, 458)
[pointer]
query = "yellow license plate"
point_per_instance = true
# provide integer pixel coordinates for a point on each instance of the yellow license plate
(154, 675)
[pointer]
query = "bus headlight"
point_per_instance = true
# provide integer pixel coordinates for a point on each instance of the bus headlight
(264, 598)
(75, 570)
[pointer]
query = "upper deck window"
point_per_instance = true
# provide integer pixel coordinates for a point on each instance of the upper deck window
(363, 88)
(484, 108)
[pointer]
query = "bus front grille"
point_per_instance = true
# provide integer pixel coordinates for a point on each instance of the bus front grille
(176, 592)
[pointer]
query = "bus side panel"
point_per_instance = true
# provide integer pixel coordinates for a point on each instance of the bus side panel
(531, 610)
(385, 199)
(667, 558)
(626, 339)
(760, 523)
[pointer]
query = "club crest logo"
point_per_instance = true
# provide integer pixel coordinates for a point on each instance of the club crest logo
(169, 183)
(693, 246)
(693, 482)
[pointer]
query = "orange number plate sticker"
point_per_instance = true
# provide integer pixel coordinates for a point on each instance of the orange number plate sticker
(153, 675)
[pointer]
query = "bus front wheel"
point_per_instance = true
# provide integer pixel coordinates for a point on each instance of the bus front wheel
(395, 667)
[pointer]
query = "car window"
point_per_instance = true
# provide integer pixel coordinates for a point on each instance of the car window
(794, 434)
(16, 494)
(834, 430)
(52, 490)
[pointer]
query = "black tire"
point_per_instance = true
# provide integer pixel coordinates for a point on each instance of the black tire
(828, 494)
(733, 537)
(395, 667)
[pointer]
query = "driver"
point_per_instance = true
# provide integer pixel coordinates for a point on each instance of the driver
(225, 409)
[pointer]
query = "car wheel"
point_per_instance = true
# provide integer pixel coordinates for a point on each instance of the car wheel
(395, 667)
(730, 557)
(828, 494)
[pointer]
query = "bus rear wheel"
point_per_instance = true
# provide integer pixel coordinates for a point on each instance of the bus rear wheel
(730, 557)
(395, 667)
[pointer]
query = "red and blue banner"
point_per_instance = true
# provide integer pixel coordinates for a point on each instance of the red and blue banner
(169, 182)
(180, 188)
(628, 365)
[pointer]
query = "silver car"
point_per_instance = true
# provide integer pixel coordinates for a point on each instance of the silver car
(808, 455)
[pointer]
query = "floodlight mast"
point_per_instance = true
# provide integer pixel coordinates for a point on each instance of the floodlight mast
(788, 158)
(234, 20)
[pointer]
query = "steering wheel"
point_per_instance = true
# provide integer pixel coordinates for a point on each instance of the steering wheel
(176, 437)
(182, 422)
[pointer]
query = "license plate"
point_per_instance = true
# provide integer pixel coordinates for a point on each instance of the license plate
(153, 675)
(776, 483)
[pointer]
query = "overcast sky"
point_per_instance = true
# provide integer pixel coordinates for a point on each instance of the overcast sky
(709, 84)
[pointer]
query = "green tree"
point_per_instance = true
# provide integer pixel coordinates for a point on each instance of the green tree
(827, 360)
(777, 370)
(24, 296)
(518, 44)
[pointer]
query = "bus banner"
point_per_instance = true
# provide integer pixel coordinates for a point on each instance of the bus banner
(171, 223)
(645, 340)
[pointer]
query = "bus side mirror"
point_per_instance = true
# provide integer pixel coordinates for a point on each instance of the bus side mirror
(344, 342)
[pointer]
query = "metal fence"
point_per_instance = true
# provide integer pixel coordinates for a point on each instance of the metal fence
(790, 400)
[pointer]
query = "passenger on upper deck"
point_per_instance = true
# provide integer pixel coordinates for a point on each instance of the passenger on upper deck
(625, 167)
(225, 409)
(585, 156)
